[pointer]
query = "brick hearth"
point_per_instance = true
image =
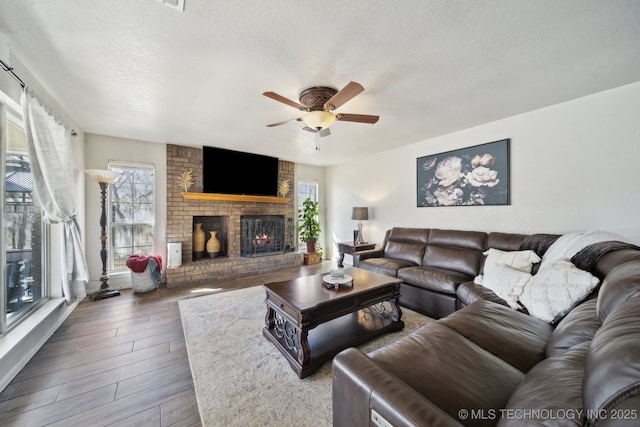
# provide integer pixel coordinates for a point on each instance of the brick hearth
(180, 213)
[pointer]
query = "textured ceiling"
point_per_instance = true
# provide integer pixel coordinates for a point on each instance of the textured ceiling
(143, 70)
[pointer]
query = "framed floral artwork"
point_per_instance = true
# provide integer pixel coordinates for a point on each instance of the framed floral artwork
(472, 176)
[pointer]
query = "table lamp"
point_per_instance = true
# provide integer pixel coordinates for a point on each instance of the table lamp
(360, 214)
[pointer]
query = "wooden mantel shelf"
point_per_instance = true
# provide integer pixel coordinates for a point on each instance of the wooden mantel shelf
(234, 198)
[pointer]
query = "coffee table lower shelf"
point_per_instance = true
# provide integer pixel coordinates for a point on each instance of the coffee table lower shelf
(328, 339)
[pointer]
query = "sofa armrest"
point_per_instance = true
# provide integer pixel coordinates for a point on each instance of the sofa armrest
(470, 292)
(362, 255)
(361, 386)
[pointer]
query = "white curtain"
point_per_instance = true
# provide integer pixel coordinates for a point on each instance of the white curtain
(49, 146)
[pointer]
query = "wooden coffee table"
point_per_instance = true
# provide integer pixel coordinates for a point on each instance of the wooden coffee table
(310, 323)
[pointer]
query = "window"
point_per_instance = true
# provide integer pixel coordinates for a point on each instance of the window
(306, 189)
(24, 233)
(132, 208)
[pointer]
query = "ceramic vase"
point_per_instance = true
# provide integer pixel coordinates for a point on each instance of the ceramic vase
(198, 241)
(213, 245)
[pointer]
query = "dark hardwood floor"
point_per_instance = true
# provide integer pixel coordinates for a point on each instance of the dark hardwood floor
(120, 361)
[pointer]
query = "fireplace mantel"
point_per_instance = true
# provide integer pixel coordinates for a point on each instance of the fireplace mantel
(234, 198)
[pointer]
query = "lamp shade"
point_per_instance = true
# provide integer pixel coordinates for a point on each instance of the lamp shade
(318, 119)
(101, 175)
(360, 213)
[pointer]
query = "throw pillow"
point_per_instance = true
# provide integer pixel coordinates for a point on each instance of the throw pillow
(506, 282)
(506, 273)
(556, 289)
(519, 260)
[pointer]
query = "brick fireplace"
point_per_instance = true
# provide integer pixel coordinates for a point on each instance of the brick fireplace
(226, 217)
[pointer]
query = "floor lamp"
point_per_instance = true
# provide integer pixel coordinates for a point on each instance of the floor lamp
(104, 178)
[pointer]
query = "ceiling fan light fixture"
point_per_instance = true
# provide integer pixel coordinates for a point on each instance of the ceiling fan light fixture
(318, 119)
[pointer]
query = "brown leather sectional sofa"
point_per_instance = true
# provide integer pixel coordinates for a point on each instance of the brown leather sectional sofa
(434, 263)
(487, 364)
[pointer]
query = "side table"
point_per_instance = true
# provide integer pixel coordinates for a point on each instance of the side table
(351, 248)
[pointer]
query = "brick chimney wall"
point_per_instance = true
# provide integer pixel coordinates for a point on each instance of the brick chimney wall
(180, 213)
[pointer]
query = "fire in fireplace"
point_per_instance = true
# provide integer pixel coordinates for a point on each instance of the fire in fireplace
(261, 235)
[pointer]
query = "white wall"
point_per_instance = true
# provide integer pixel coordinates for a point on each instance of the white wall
(99, 150)
(574, 166)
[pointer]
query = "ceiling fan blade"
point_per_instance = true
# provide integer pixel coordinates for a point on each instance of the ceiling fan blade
(284, 100)
(324, 132)
(344, 95)
(282, 122)
(321, 132)
(359, 118)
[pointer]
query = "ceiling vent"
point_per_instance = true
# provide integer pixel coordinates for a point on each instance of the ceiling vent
(176, 4)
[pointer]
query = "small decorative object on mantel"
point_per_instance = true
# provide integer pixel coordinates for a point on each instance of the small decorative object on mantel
(186, 180)
(283, 188)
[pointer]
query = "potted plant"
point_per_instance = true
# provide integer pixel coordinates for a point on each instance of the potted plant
(309, 227)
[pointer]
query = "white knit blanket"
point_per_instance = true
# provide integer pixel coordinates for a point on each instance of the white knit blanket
(570, 244)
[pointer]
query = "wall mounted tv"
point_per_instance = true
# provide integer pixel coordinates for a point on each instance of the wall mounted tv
(235, 172)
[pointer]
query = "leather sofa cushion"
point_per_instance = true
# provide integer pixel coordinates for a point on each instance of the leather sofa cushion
(474, 240)
(449, 370)
(464, 261)
(434, 279)
(621, 283)
(411, 252)
(455, 250)
(514, 337)
(409, 235)
(553, 385)
(505, 241)
(612, 371)
(386, 266)
(579, 326)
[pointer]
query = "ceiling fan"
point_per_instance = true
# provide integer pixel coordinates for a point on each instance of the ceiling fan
(319, 102)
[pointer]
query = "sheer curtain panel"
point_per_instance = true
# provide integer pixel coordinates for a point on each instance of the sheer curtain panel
(49, 146)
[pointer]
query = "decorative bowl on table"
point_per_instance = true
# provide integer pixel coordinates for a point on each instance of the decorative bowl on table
(334, 281)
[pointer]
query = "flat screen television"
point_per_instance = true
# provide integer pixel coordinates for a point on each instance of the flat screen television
(236, 172)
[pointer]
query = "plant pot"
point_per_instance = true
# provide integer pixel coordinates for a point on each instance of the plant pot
(311, 246)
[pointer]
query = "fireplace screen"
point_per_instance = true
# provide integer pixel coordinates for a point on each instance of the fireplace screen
(261, 235)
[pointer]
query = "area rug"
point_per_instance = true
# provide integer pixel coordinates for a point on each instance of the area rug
(241, 379)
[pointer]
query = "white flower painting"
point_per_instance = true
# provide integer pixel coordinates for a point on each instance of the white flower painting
(470, 176)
